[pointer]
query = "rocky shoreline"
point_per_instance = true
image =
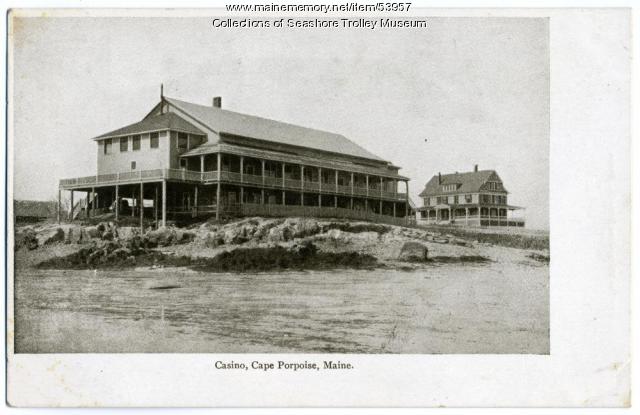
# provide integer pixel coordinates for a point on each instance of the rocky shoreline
(251, 244)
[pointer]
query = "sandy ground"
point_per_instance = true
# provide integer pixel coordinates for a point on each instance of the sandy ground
(498, 307)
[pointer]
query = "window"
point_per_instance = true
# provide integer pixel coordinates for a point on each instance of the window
(135, 142)
(183, 163)
(124, 144)
(449, 188)
(494, 186)
(107, 146)
(182, 141)
(133, 165)
(467, 198)
(426, 201)
(153, 140)
(455, 199)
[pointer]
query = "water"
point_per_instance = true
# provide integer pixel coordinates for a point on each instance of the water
(453, 308)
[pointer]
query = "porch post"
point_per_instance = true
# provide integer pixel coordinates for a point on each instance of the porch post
(406, 205)
(164, 203)
(263, 179)
(202, 167)
(59, 202)
(117, 202)
(367, 184)
(302, 185)
(94, 201)
(141, 206)
(466, 216)
(335, 197)
(351, 191)
(86, 205)
(381, 187)
(394, 210)
(195, 200)
(283, 184)
(380, 207)
(72, 206)
(133, 201)
(218, 187)
(241, 179)
(155, 205)
(320, 179)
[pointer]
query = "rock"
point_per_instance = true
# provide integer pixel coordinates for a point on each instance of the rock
(305, 227)
(127, 232)
(93, 232)
(76, 235)
(120, 253)
(108, 236)
(213, 239)
(26, 238)
(187, 237)
(234, 236)
(162, 236)
(460, 242)
(440, 240)
(413, 251)
(49, 236)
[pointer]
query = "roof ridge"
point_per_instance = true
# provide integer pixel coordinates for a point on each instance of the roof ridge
(258, 116)
(356, 149)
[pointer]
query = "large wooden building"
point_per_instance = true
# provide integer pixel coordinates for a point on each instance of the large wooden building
(189, 159)
(476, 198)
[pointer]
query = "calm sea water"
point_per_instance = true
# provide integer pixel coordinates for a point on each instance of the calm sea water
(488, 308)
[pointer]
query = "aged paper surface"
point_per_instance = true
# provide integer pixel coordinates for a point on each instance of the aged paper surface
(417, 228)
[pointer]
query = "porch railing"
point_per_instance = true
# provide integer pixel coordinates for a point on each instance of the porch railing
(253, 209)
(236, 177)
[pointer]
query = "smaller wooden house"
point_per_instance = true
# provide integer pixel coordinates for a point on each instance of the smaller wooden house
(33, 210)
(476, 198)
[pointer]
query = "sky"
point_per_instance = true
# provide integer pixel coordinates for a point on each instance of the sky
(462, 91)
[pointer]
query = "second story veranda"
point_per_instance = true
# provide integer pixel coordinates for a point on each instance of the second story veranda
(249, 167)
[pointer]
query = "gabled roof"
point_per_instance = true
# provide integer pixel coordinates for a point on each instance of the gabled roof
(166, 121)
(466, 182)
(234, 123)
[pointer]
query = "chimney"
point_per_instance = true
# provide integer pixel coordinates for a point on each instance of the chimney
(475, 168)
(217, 102)
(439, 178)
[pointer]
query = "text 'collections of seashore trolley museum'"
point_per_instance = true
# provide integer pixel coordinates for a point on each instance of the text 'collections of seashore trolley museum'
(185, 160)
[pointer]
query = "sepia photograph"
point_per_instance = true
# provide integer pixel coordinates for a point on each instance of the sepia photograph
(339, 199)
(182, 192)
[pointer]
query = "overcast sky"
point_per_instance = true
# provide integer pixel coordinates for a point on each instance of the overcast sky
(464, 91)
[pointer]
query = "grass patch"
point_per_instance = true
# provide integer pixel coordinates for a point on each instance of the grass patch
(357, 227)
(304, 257)
(511, 240)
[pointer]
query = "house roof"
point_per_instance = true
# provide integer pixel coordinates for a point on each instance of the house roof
(166, 121)
(466, 182)
(234, 123)
(34, 208)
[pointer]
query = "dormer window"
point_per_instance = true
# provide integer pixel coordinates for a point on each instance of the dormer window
(494, 186)
(135, 142)
(449, 188)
